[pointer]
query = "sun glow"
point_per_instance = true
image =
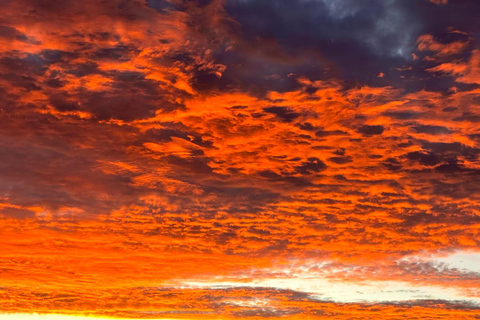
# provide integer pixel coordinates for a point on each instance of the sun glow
(36, 316)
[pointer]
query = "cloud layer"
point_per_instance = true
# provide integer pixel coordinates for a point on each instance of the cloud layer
(199, 159)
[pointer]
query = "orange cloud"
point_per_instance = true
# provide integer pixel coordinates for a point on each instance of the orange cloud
(466, 72)
(427, 42)
(139, 178)
(439, 2)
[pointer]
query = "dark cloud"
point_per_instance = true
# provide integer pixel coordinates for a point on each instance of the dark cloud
(452, 149)
(434, 130)
(312, 165)
(323, 133)
(175, 130)
(284, 113)
(367, 130)
(468, 117)
(26, 65)
(341, 160)
(449, 109)
(264, 313)
(341, 39)
(16, 213)
(403, 115)
(427, 159)
(12, 34)
(366, 25)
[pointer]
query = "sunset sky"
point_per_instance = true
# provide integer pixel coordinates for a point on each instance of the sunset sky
(239, 159)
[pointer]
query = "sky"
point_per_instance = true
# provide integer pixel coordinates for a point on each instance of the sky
(239, 159)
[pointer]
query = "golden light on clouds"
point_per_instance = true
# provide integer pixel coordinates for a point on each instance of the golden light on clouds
(35, 316)
(239, 159)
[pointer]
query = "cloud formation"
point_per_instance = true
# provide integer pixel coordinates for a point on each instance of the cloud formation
(198, 159)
